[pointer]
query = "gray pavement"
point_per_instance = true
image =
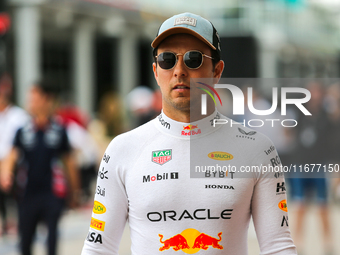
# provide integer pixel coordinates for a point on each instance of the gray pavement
(74, 228)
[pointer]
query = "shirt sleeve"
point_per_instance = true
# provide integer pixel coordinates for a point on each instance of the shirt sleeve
(110, 210)
(269, 206)
(14, 118)
(65, 146)
(16, 140)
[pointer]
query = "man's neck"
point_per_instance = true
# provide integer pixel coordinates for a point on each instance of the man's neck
(41, 121)
(187, 116)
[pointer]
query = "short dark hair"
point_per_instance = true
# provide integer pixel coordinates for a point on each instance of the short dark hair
(48, 88)
(214, 54)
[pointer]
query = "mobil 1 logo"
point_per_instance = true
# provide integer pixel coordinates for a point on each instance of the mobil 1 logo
(160, 177)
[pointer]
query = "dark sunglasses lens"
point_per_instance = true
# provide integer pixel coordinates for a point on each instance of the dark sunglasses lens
(166, 60)
(193, 59)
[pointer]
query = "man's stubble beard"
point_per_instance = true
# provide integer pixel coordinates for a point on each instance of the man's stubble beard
(189, 105)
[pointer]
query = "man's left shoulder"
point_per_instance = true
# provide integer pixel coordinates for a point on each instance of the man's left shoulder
(244, 134)
(17, 116)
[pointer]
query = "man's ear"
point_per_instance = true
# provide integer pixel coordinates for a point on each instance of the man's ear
(154, 68)
(219, 69)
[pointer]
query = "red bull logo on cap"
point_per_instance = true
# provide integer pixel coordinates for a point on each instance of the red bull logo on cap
(191, 241)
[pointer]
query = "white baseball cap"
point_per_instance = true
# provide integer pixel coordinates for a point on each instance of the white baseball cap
(189, 23)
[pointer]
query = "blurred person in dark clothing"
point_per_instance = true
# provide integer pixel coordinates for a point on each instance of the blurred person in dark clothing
(311, 148)
(332, 102)
(83, 144)
(11, 119)
(41, 145)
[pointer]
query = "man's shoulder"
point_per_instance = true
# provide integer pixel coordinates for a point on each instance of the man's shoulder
(17, 114)
(244, 134)
(135, 138)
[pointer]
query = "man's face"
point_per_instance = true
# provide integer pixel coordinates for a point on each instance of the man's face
(175, 83)
(2, 98)
(37, 103)
(5, 92)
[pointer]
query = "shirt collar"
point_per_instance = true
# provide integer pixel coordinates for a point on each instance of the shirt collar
(184, 130)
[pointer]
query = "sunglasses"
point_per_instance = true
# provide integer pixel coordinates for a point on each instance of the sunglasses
(193, 59)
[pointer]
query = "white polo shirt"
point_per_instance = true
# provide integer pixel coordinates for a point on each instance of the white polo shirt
(11, 119)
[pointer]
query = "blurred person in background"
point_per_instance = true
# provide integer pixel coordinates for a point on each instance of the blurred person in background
(332, 102)
(110, 113)
(109, 121)
(11, 119)
(85, 147)
(40, 146)
(141, 102)
(279, 135)
(282, 137)
(157, 101)
(312, 135)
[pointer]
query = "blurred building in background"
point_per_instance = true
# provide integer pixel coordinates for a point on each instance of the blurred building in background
(98, 51)
(91, 47)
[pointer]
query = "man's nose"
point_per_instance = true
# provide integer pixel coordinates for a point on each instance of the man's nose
(180, 69)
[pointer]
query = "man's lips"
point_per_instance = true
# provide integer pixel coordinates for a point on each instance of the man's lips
(181, 87)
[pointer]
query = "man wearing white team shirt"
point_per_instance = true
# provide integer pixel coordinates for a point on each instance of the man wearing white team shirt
(145, 174)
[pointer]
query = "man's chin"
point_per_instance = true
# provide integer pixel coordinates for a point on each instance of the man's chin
(182, 107)
(184, 104)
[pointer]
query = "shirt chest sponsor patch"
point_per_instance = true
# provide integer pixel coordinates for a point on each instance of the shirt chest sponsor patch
(162, 156)
(52, 138)
(97, 224)
(98, 208)
(220, 155)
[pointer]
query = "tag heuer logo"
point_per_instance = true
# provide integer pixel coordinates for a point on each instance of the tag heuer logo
(161, 157)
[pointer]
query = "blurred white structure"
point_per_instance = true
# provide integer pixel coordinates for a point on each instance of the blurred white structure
(289, 41)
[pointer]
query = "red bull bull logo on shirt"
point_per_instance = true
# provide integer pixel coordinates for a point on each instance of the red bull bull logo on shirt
(191, 130)
(177, 242)
(190, 127)
(191, 241)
